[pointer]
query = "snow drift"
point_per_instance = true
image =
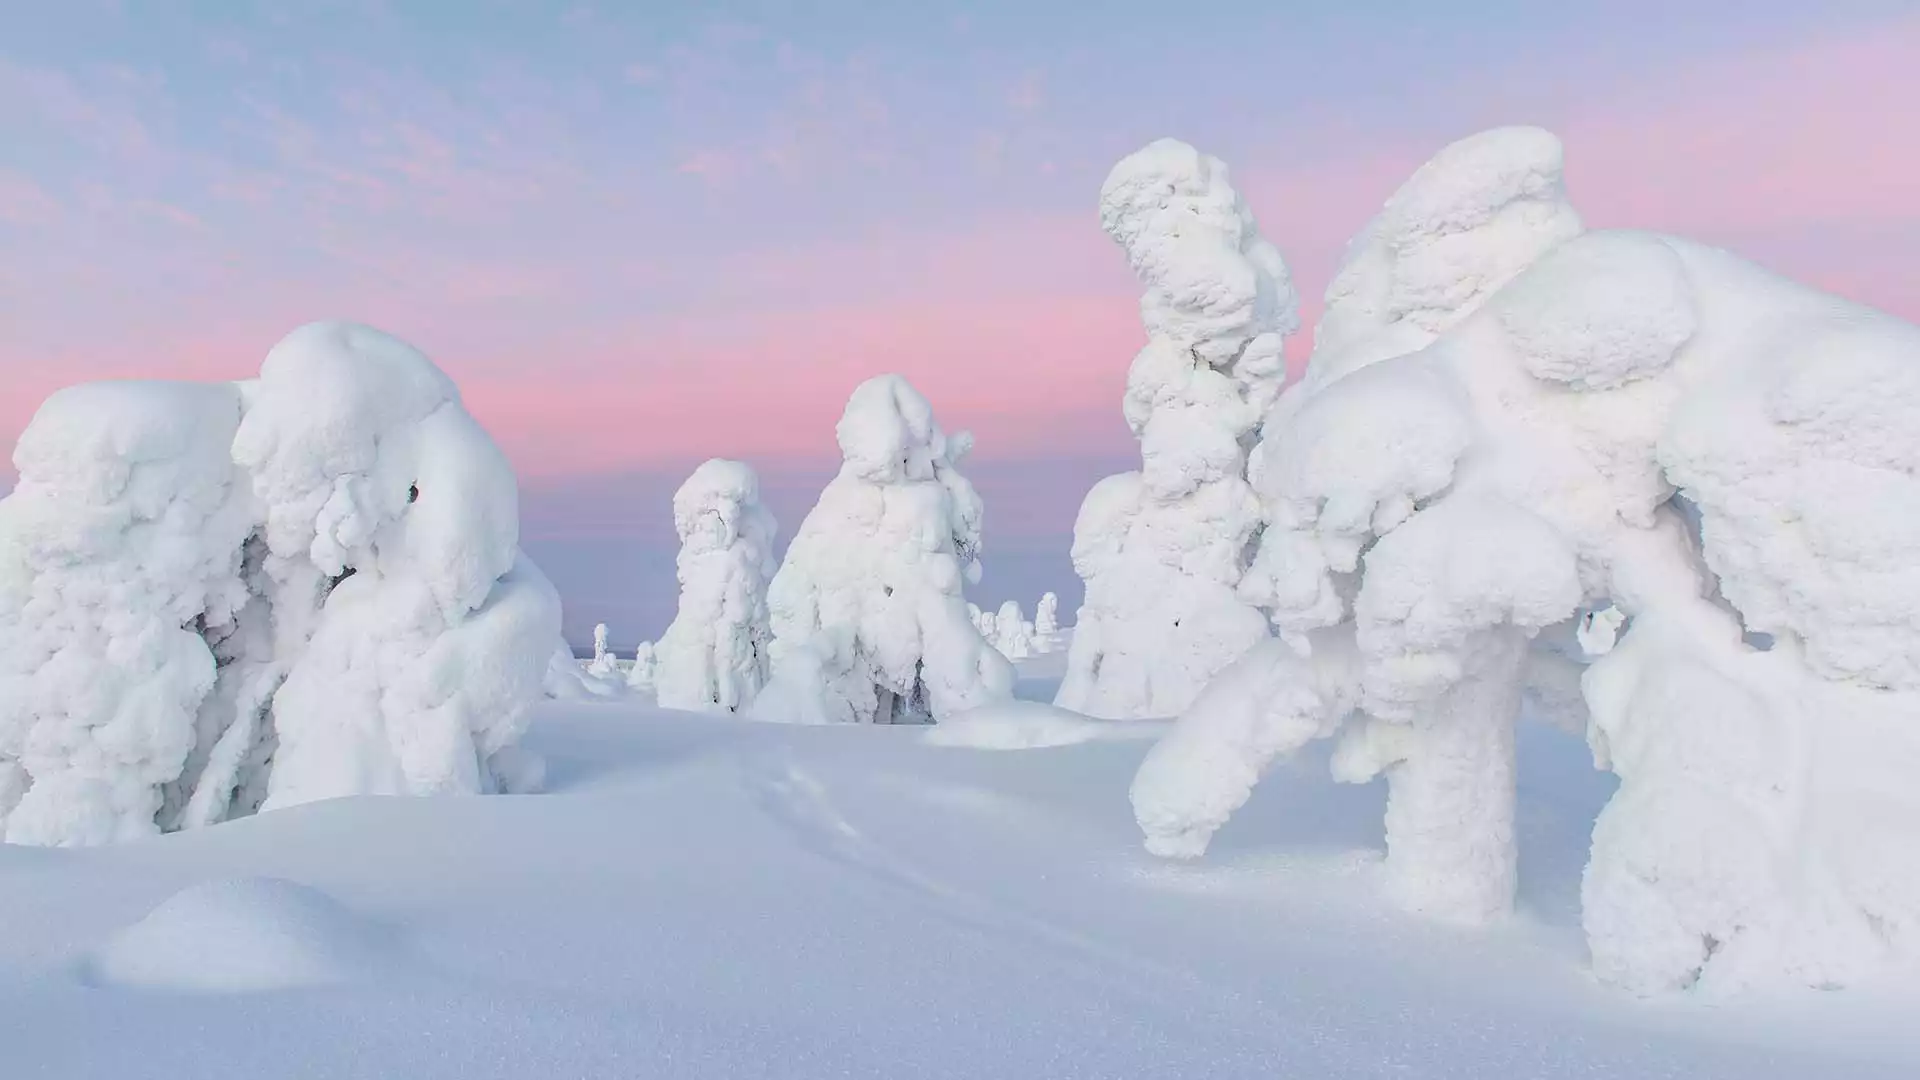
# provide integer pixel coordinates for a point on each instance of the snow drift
(245, 935)
(218, 597)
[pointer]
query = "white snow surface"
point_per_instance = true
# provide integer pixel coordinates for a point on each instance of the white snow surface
(849, 901)
(870, 621)
(714, 656)
(1162, 550)
(239, 936)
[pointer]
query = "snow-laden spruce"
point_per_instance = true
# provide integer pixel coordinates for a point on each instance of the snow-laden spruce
(218, 596)
(433, 645)
(1012, 633)
(714, 656)
(870, 623)
(121, 570)
(1046, 623)
(602, 664)
(1162, 550)
(1716, 466)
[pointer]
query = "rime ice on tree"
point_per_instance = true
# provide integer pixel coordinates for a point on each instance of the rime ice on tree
(309, 583)
(714, 657)
(1162, 550)
(1716, 463)
(870, 624)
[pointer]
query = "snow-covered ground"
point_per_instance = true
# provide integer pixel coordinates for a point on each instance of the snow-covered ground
(699, 896)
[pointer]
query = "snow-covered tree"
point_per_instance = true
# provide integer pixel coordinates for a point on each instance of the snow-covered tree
(602, 662)
(642, 675)
(1713, 462)
(1046, 622)
(214, 597)
(1162, 550)
(1013, 634)
(433, 645)
(714, 656)
(869, 620)
(120, 557)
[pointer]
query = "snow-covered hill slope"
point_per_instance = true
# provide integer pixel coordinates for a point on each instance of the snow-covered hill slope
(705, 897)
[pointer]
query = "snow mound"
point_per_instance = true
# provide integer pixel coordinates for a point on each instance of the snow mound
(239, 936)
(1032, 725)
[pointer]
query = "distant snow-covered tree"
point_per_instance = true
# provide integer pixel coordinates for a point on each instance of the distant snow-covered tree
(870, 623)
(1046, 617)
(602, 663)
(641, 677)
(1013, 634)
(714, 657)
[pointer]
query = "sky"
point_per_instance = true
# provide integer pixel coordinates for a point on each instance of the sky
(644, 234)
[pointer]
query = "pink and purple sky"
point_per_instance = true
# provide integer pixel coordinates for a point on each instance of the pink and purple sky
(644, 234)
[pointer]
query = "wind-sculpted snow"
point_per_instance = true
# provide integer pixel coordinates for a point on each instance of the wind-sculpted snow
(870, 623)
(1505, 424)
(1468, 221)
(714, 656)
(214, 597)
(1163, 549)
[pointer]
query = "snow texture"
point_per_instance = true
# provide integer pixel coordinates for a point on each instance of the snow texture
(218, 597)
(240, 936)
(714, 656)
(1163, 550)
(870, 623)
(120, 556)
(700, 896)
(1031, 725)
(1696, 471)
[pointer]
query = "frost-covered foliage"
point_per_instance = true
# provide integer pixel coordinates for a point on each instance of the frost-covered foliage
(1647, 456)
(218, 596)
(714, 656)
(1163, 549)
(120, 557)
(869, 620)
(1012, 633)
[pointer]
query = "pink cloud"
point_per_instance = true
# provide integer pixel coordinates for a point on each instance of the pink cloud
(23, 202)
